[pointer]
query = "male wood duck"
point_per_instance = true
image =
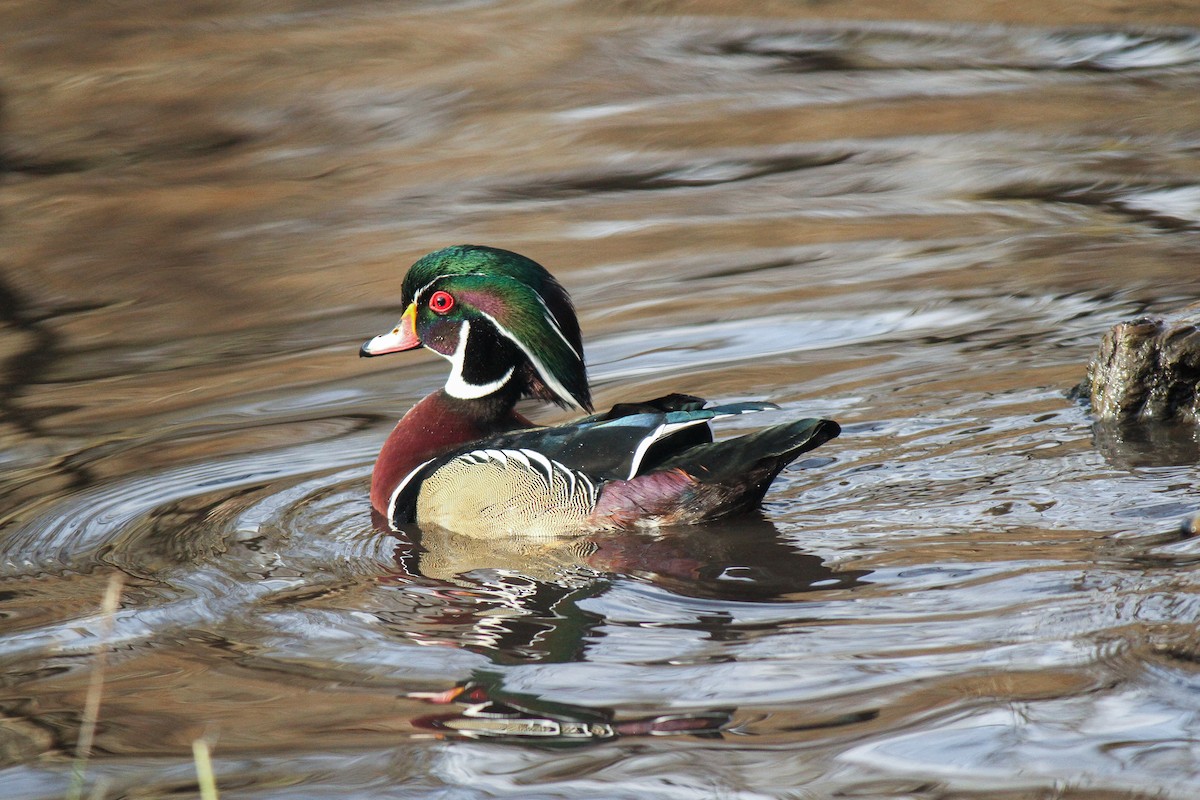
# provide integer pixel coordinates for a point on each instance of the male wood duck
(464, 460)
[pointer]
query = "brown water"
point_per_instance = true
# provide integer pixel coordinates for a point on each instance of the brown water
(917, 226)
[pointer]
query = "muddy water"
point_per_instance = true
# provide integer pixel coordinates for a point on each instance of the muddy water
(917, 226)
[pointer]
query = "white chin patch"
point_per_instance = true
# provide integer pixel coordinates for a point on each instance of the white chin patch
(456, 386)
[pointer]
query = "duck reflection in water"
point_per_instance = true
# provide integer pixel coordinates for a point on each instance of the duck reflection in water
(485, 710)
(516, 599)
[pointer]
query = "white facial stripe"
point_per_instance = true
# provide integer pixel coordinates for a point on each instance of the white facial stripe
(421, 291)
(547, 376)
(417, 295)
(554, 324)
(456, 385)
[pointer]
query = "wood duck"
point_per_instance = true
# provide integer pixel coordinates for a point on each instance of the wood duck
(464, 460)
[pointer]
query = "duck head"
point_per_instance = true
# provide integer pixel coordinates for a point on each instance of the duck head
(504, 323)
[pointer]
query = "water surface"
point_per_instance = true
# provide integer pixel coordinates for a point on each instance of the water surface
(918, 226)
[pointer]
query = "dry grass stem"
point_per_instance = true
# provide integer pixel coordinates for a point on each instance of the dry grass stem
(204, 769)
(91, 703)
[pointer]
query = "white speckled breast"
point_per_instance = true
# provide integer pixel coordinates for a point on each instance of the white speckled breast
(505, 493)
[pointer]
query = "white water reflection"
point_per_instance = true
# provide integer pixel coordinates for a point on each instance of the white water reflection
(690, 347)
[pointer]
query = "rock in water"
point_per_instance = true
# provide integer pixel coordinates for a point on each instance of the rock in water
(1147, 370)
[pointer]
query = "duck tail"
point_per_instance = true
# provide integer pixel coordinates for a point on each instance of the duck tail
(715, 479)
(740, 470)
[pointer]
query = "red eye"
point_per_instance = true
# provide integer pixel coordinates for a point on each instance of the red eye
(441, 302)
